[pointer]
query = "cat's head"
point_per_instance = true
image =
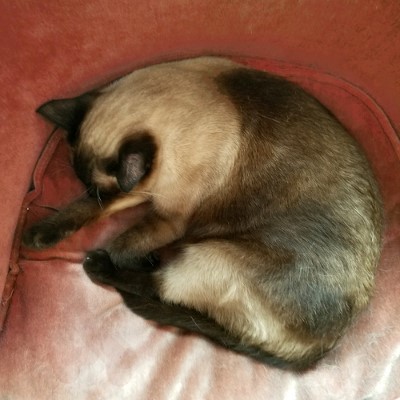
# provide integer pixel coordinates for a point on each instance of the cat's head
(156, 129)
(119, 168)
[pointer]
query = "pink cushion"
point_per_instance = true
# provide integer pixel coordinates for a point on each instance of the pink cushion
(68, 338)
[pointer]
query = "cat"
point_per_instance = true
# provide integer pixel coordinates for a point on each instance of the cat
(264, 220)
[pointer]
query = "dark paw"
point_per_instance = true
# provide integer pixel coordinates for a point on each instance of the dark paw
(99, 266)
(138, 280)
(42, 236)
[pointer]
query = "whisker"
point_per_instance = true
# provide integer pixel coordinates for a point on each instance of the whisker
(99, 198)
(82, 194)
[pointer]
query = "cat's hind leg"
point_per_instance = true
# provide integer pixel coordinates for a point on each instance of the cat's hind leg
(208, 288)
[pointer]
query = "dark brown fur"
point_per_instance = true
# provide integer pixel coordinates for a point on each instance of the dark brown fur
(267, 230)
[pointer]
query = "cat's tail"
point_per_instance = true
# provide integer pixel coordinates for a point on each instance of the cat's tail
(193, 321)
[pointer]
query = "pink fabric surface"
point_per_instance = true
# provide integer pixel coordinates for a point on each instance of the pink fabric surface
(67, 338)
(59, 48)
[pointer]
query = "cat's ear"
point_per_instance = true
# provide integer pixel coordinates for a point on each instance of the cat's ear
(67, 114)
(135, 160)
(131, 170)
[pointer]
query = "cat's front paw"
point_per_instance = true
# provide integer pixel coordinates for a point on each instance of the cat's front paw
(98, 266)
(43, 236)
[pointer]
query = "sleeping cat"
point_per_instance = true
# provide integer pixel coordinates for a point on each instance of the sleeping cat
(264, 221)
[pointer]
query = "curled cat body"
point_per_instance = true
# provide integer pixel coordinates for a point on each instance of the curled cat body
(263, 223)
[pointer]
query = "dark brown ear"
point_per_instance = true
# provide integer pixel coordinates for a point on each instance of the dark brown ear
(135, 160)
(131, 171)
(67, 114)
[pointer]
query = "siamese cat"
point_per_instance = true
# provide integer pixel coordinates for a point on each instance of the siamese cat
(263, 222)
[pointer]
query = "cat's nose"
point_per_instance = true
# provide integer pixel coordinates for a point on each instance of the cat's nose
(103, 193)
(109, 191)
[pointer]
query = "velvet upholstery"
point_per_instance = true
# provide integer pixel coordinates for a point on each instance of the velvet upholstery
(65, 337)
